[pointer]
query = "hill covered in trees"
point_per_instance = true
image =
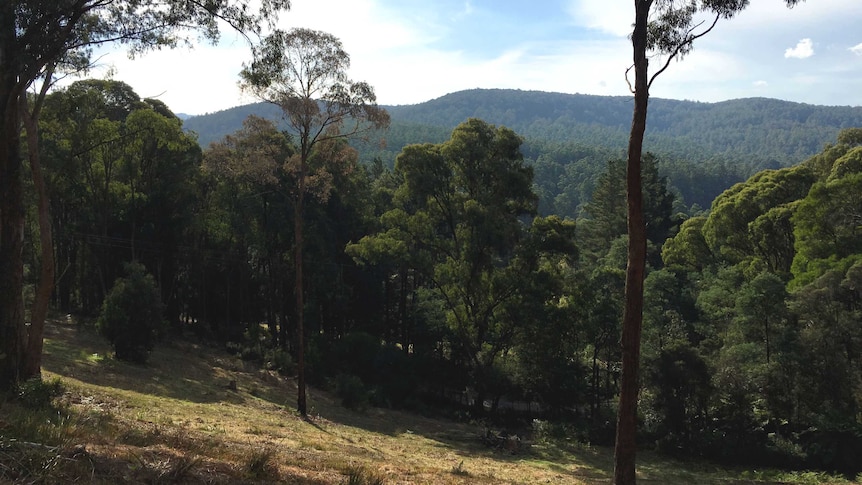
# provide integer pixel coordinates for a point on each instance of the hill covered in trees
(767, 131)
(703, 148)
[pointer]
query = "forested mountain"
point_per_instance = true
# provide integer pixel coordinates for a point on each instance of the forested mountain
(703, 148)
(767, 131)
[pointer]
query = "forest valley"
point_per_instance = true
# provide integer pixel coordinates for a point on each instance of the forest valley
(439, 275)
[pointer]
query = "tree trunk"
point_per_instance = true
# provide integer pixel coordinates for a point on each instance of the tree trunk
(626, 447)
(301, 404)
(33, 357)
(402, 309)
(13, 333)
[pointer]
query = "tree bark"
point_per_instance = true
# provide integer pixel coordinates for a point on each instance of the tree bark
(13, 333)
(301, 404)
(626, 447)
(33, 356)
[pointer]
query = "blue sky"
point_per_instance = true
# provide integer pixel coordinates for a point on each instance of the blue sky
(415, 50)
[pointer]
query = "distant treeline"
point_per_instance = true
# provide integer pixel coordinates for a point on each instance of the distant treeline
(704, 148)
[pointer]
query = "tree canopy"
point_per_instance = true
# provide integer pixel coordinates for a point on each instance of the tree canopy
(39, 39)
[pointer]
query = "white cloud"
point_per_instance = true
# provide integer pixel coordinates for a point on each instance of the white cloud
(613, 18)
(803, 50)
(466, 12)
(413, 51)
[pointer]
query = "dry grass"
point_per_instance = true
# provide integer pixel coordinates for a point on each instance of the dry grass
(176, 421)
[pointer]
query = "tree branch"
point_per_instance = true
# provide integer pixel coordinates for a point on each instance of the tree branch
(689, 40)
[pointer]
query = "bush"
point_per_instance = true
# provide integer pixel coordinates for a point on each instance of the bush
(835, 447)
(39, 394)
(394, 377)
(356, 353)
(131, 317)
(281, 361)
(352, 391)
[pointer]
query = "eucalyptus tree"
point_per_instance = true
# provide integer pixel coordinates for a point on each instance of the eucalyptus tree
(458, 220)
(666, 30)
(37, 38)
(250, 180)
(120, 171)
(304, 72)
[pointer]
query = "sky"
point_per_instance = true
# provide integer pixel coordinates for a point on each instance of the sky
(413, 51)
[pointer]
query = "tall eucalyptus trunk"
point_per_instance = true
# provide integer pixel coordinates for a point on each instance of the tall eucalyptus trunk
(626, 447)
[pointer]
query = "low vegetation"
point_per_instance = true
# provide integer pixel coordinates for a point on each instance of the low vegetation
(95, 419)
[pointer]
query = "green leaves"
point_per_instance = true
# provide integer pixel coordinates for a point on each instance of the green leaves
(727, 229)
(131, 317)
(828, 227)
(304, 72)
(459, 222)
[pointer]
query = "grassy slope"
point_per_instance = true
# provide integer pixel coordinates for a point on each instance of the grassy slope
(176, 421)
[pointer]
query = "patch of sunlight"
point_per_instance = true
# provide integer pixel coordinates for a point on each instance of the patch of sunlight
(95, 358)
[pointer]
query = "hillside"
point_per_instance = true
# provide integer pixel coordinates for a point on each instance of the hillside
(704, 148)
(123, 423)
(765, 129)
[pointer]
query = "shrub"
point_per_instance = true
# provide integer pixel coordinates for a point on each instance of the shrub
(355, 353)
(352, 391)
(39, 394)
(131, 317)
(281, 361)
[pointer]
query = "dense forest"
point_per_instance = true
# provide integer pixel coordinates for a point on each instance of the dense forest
(457, 268)
(703, 148)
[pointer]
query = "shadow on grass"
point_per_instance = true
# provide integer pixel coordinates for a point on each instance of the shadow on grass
(175, 369)
(572, 463)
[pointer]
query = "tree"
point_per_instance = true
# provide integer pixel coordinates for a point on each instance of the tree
(740, 222)
(131, 317)
(251, 181)
(458, 223)
(688, 249)
(37, 38)
(607, 210)
(828, 226)
(669, 29)
(121, 171)
(304, 72)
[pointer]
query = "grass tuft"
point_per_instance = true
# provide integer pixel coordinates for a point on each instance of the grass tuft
(179, 469)
(260, 464)
(459, 470)
(358, 475)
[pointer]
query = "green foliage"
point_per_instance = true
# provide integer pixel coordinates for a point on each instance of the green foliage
(352, 392)
(830, 342)
(688, 248)
(39, 394)
(457, 221)
(828, 227)
(123, 179)
(606, 210)
(131, 317)
(704, 148)
(755, 131)
(680, 392)
(834, 447)
(726, 230)
(281, 361)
